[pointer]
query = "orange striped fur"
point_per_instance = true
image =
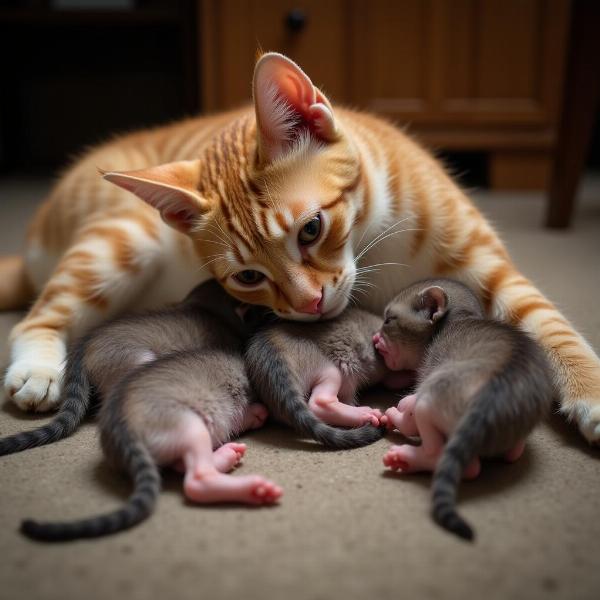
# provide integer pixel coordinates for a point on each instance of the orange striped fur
(234, 190)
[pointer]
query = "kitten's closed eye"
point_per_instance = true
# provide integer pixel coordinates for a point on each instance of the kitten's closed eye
(389, 318)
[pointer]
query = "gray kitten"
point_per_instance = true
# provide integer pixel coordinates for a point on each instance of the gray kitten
(301, 371)
(482, 385)
(173, 386)
(128, 342)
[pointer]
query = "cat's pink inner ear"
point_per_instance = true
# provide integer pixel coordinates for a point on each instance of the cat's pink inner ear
(286, 101)
(171, 189)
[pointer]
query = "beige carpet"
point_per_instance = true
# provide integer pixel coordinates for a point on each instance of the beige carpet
(344, 529)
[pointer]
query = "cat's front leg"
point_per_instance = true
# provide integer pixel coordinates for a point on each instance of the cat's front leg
(96, 278)
(576, 366)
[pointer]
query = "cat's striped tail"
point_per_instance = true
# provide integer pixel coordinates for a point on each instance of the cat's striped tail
(72, 411)
(279, 390)
(146, 488)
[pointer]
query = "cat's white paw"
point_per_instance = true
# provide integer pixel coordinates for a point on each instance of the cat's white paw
(586, 413)
(33, 385)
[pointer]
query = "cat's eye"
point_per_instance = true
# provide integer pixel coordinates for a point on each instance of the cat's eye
(310, 232)
(249, 277)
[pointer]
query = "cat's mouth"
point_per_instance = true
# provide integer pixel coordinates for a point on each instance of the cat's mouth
(336, 308)
(334, 312)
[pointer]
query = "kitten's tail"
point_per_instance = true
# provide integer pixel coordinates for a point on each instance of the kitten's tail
(458, 453)
(146, 481)
(15, 288)
(492, 422)
(72, 411)
(277, 388)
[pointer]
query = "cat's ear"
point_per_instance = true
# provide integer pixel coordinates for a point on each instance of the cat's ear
(434, 302)
(286, 101)
(171, 188)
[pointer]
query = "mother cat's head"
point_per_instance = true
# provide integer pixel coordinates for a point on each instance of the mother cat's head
(271, 202)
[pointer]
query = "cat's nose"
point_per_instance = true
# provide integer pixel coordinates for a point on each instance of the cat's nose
(315, 306)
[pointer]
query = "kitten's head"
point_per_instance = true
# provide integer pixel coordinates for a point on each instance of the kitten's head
(410, 321)
(271, 203)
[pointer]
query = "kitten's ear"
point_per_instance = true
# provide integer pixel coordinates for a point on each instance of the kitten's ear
(171, 188)
(286, 101)
(434, 301)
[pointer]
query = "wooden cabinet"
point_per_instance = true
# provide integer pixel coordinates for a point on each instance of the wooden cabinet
(461, 74)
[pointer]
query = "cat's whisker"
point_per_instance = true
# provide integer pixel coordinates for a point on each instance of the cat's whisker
(390, 227)
(364, 282)
(219, 243)
(221, 233)
(220, 240)
(369, 267)
(212, 260)
(376, 238)
(362, 237)
(380, 239)
(217, 230)
(276, 204)
(352, 300)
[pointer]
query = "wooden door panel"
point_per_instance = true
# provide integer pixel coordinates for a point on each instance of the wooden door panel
(505, 41)
(233, 31)
(467, 62)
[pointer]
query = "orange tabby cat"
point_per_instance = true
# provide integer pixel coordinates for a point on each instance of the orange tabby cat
(282, 204)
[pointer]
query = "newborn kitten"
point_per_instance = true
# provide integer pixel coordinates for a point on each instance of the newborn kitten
(171, 410)
(127, 343)
(301, 371)
(482, 386)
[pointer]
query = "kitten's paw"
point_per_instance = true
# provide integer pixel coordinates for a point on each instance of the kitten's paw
(396, 460)
(586, 413)
(228, 456)
(217, 487)
(34, 386)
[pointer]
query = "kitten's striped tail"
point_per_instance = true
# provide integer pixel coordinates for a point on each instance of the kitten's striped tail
(146, 480)
(460, 450)
(279, 390)
(72, 411)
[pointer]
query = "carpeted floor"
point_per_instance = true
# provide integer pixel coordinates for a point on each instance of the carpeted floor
(344, 529)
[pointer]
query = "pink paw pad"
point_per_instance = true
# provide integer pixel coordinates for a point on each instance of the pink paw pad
(228, 456)
(395, 461)
(266, 492)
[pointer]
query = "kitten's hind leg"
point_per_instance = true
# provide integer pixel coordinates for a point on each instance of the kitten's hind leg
(407, 458)
(205, 483)
(413, 459)
(325, 404)
(226, 457)
(402, 417)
